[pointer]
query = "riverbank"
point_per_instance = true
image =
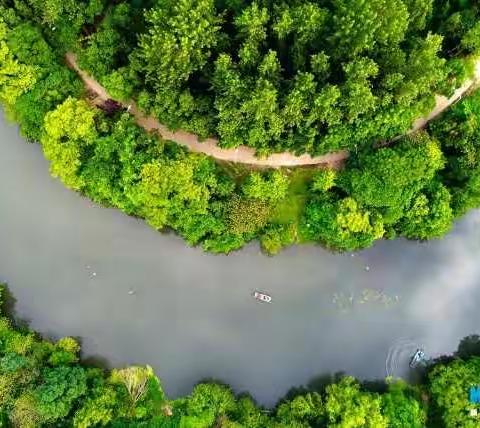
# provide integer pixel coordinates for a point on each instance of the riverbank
(134, 394)
(50, 235)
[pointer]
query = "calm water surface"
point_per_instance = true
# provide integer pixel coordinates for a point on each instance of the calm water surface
(71, 266)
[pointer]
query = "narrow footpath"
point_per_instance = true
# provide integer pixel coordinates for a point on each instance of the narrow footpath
(246, 155)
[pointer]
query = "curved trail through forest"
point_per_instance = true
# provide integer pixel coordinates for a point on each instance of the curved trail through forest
(246, 155)
(242, 154)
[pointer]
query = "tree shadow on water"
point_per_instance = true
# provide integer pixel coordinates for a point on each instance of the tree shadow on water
(378, 386)
(8, 309)
(468, 347)
(317, 384)
(97, 361)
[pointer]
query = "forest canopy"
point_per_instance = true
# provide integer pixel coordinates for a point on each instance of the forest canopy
(295, 75)
(299, 76)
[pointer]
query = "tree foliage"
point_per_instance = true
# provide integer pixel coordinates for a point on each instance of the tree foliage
(68, 130)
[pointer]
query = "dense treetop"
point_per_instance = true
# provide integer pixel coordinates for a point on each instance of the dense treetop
(295, 75)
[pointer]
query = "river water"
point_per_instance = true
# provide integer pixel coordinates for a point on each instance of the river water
(135, 296)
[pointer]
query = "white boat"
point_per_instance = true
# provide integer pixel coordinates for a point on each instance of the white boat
(262, 297)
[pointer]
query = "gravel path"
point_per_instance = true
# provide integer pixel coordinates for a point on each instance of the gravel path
(246, 155)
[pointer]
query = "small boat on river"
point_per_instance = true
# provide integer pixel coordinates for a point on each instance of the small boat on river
(417, 359)
(262, 297)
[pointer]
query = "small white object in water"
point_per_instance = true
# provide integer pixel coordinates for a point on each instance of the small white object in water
(94, 273)
(131, 292)
(367, 268)
(88, 266)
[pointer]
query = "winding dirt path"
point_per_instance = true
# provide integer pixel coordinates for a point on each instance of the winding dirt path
(442, 102)
(242, 154)
(246, 155)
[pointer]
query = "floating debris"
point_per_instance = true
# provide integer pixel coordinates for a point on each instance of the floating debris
(345, 302)
(370, 295)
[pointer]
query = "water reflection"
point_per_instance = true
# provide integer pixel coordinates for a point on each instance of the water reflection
(72, 267)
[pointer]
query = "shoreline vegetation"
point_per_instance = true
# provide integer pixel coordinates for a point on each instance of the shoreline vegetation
(45, 383)
(301, 76)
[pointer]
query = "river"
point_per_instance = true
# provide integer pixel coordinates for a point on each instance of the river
(135, 296)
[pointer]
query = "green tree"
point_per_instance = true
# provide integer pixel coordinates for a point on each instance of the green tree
(210, 403)
(277, 236)
(248, 414)
(324, 180)
(347, 406)
(341, 224)
(252, 29)
(24, 412)
(303, 411)
(430, 215)
(360, 25)
(135, 379)
(401, 407)
(68, 130)
(420, 12)
(63, 19)
(64, 352)
(60, 389)
(31, 107)
(302, 27)
(449, 385)
(270, 187)
(380, 181)
(179, 40)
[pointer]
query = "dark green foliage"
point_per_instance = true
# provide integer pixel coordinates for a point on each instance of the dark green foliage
(51, 85)
(429, 215)
(341, 224)
(378, 180)
(63, 19)
(293, 75)
(111, 41)
(270, 75)
(302, 411)
(31, 107)
(459, 132)
(402, 406)
(28, 45)
(449, 386)
(59, 388)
